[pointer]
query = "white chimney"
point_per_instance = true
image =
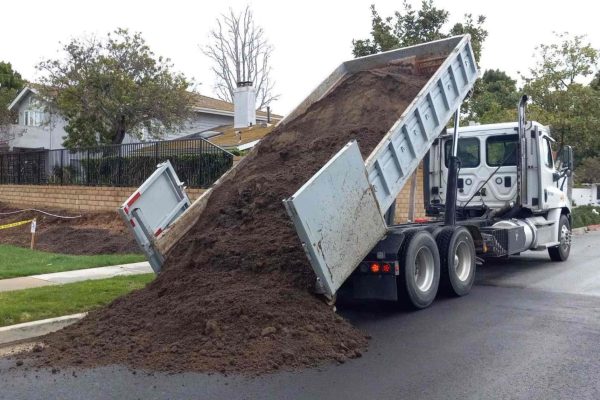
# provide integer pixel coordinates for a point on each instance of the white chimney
(244, 105)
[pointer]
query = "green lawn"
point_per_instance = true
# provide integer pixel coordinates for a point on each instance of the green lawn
(55, 301)
(584, 216)
(17, 261)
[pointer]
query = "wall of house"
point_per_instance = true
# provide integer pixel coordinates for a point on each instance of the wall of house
(48, 136)
(71, 198)
(584, 196)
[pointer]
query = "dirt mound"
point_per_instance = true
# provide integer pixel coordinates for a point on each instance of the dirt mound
(235, 294)
(93, 233)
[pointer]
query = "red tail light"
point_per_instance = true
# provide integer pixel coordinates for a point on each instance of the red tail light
(386, 268)
(375, 268)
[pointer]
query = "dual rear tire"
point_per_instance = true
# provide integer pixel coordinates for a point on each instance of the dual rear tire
(430, 263)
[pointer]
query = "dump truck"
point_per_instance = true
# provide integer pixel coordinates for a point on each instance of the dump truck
(514, 201)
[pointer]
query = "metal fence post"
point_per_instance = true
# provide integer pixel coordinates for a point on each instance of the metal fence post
(18, 168)
(62, 168)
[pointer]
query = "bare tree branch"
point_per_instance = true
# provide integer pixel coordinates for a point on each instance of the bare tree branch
(240, 53)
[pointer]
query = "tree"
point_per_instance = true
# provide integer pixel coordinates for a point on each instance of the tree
(241, 53)
(494, 98)
(112, 87)
(595, 83)
(559, 96)
(588, 171)
(10, 84)
(409, 27)
(564, 62)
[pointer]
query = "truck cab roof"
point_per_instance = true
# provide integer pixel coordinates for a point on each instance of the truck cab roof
(505, 127)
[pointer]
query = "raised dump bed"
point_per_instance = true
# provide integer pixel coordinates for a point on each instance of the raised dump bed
(338, 213)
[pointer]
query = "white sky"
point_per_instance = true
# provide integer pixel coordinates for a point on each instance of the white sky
(310, 37)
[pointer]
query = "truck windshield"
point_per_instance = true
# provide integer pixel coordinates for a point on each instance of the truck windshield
(468, 152)
(499, 149)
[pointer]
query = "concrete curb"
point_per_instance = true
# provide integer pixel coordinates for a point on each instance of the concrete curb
(28, 330)
(579, 231)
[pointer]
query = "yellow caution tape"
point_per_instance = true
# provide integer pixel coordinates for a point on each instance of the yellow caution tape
(15, 224)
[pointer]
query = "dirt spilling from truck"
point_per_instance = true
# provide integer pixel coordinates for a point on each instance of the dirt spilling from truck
(235, 294)
(92, 233)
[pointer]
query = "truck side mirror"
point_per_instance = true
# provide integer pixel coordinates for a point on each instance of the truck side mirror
(566, 157)
(555, 176)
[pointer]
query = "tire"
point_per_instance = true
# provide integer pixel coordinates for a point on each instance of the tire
(457, 260)
(419, 279)
(562, 251)
(434, 230)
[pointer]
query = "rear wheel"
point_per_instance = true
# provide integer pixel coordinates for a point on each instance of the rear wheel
(457, 260)
(562, 251)
(420, 277)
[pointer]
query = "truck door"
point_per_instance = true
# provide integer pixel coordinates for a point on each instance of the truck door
(469, 154)
(501, 162)
(551, 196)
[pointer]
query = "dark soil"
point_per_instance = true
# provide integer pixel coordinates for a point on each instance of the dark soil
(93, 233)
(235, 295)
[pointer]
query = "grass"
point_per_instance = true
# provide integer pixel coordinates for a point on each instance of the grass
(55, 301)
(18, 261)
(583, 216)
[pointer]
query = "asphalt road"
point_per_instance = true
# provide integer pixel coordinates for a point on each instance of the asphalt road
(529, 330)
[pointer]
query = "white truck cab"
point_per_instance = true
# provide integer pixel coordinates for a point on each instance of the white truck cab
(488, 169)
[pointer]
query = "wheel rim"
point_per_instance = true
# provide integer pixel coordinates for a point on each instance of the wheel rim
(424, 269)
(565, 238)
(462, 261)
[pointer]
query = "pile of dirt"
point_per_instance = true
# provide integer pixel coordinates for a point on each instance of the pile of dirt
(93, 233)
(235, 295)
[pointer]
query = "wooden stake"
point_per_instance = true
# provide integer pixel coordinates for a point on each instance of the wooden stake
(33, 226)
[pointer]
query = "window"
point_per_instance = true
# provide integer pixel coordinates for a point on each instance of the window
(547, 153)
(33, 118)
(501, 150)
(468, 152)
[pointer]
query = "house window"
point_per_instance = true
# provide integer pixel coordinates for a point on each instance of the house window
(33, 118)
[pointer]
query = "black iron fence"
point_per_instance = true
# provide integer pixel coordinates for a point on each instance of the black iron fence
(197, 162)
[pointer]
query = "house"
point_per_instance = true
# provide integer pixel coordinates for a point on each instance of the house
(36, 129)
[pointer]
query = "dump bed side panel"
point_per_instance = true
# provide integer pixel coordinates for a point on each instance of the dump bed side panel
(398, 155)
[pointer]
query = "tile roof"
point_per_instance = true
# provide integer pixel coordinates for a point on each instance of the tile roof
(231, 137)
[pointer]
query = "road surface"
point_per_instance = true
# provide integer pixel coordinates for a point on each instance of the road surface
(530, 329)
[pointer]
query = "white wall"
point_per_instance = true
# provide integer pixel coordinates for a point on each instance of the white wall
(586, 196)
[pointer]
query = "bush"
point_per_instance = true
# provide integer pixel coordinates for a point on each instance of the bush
(584, 216)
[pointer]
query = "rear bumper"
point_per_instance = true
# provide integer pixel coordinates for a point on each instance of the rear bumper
(374, 287)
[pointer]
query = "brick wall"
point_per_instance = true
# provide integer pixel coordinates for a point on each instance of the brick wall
(402, 201)
(74, 198)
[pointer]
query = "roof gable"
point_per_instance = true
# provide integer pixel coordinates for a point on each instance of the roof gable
(23, 94)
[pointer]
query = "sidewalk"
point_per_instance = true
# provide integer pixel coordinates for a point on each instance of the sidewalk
(59, 278)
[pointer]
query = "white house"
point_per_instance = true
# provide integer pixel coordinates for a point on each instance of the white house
(37, 129)
(589, 194)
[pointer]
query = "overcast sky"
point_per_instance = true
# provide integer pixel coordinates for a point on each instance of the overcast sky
(310, 37)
